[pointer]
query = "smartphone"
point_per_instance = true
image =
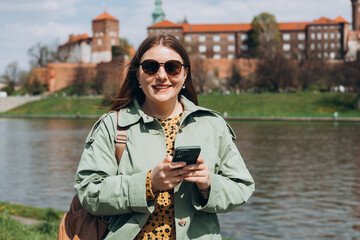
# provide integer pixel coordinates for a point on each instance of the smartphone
(188, 154)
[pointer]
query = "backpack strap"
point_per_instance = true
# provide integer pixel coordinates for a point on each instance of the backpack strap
(120, 140)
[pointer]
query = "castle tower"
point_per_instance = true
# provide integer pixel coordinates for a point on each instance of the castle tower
(105, 35)
(356, 14)
(158, 15)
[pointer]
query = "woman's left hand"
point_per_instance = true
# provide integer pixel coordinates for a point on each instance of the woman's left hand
(199, 174)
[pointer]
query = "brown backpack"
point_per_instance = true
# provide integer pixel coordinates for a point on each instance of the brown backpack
(78, 223)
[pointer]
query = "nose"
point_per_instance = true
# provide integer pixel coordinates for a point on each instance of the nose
(162, 73)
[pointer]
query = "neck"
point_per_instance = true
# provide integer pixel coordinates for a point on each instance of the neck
(162, 110)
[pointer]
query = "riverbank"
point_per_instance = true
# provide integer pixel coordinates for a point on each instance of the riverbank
(26, 222)
(302, 106)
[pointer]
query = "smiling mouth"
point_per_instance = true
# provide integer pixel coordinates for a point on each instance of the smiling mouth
(162, 86)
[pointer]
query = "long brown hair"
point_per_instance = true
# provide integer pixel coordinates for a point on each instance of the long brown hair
(130, 89)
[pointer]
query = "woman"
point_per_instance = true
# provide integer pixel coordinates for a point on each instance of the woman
(148, 195)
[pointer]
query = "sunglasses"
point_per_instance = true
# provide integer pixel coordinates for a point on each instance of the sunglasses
(151, 67)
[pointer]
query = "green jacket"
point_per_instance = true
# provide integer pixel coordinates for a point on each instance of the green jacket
(104, 188)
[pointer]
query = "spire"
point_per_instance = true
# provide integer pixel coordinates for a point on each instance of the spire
(158, 15)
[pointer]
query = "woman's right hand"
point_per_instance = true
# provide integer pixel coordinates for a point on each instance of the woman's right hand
(167, 174)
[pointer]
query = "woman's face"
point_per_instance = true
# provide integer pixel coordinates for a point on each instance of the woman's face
(161, 87)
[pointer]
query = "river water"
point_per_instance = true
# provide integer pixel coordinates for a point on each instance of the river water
(307, 174)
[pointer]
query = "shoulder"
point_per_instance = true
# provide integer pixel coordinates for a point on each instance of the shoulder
(107, 122)
(216, 121)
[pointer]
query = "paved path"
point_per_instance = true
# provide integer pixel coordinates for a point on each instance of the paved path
(8, 103)
(27, 221)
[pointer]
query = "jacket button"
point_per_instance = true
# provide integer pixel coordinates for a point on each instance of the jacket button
(182, 222)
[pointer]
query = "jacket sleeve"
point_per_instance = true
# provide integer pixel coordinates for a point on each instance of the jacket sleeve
(101, 191)
(232, 184)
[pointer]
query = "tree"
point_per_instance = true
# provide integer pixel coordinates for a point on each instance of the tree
(275, 73)
(264, 37)
(80, 81)
(42, 54)
(199, 74)
(352, 78)
(98, 81)
(11, 76)
(234, 81)
(124, 50)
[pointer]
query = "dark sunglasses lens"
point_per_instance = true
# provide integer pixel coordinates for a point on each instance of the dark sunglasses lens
(150, 67)
(173, 67)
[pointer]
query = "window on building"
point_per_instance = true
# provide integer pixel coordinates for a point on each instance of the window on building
(99, 42)
(332, 45)
(231, 48)
(231, 38)
(202, 56)
(217, 48)
(326, 36)
(332, 55)
(300, 57)
(326, 55)
(313, 46)
(332, 35)
(287, 56)
(244, 47)
(187, 38)
(202, 38)
(216, 38)
(286, 47)
(301, 36)
(326, 46)
(313, 36)
(319, 55)
(230, 56)
(188, 49)
(301, 46)
(101, 34)
(319, 27)
(332, 27)
(286, 36)
(217, 56)
(170, 30)
(113, 42)
(244, 37)
(338, 35)
(338, 45)
(202, 48)
(312, 27)
(319, 36)
(319, 46)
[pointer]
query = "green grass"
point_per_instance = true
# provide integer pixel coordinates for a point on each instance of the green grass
(300, 104)
(13, 230)
(282, 104)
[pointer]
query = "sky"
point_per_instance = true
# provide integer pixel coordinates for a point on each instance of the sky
(24, 23)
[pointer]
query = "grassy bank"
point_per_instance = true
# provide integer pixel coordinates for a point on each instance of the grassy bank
(266, 104)
(11, 229)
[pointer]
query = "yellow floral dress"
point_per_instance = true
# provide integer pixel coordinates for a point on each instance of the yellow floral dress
(161, 223)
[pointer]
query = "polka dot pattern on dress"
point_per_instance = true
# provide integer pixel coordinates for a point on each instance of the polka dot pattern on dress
(161, 223)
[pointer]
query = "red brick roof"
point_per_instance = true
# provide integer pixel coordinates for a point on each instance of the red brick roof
(340, 19)
(291, 26)
(105, 16)
(230, 27)
(165, 24)
(239, 27)
(77, 38)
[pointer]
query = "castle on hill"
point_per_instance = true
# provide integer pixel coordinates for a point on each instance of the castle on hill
(324, 38)
(96, 49)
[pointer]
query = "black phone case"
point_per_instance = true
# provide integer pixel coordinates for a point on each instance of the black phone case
(188, 154)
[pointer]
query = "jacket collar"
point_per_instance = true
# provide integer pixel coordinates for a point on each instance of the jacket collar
(133, 113)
